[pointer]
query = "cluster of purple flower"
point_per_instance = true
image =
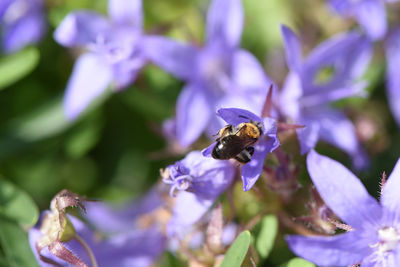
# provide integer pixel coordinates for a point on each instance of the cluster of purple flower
(222, 77)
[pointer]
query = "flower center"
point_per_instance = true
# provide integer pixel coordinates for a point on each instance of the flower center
(15, 11)
(178, 177)
(389, 238)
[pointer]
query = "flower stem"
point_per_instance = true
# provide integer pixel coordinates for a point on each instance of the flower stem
(88, 250)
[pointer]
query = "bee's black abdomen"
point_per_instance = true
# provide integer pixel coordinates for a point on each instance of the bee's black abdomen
(245, 156)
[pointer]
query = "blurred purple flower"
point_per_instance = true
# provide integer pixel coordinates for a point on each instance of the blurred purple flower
(217, 75)
(370, 14)
(374, 240)
(199, 181)
(267, 143)
(306, 100)
(113, 51)
(22, 22)
(133, 248)
(392, 73)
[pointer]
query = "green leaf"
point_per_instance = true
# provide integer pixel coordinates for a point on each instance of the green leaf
(238, 250)
(15, 244)
(46, 121)
(297, 262)
(17, 205)
(266, 237)
(15, 66)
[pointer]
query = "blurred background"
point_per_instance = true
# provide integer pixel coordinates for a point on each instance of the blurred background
(114, 150)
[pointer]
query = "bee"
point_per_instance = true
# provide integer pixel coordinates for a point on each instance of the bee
(237, 142)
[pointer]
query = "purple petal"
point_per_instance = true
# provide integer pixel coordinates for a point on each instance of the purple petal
(126, 71)
(292, 48)
(192, 115)
(342, 191)
(126, 12)
(393, 79)
(289, 96)
(336, 129)
(81, 28)
(90, 78)
(112, 219)
(236, 116)
(308, 136)
(225, 20)
(27, 30)
(207, 151)
(390, 197)
(340, 250)
(251, 171)
(248, 73)
(187, 211)
(348, 54)
(176, 58)
(371, 15)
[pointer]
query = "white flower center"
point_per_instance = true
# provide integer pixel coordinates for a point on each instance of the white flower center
(15, 11)
(389, 238)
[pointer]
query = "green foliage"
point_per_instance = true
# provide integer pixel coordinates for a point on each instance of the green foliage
(238, 250)
(15, 66)
(16, 209)
(15, 245)
(298, 262)
(17, 205)
(266, 237)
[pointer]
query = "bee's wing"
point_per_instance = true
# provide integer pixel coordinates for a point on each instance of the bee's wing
(236, 144)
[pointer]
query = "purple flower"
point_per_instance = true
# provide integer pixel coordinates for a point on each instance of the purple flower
(306, 100)
(370, 14)
(113, 51)
(199, 181)
(132, 248)
(219, 74)
(393, 79)
(375, 235)
(22, 22)
(267, 142)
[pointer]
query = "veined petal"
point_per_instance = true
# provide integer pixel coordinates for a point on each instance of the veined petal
(292, 48)
(252, 170)
(90, 78)
(236, 116)
(225, 20)
(371, 15)
(176, 58)
(342, 191)
(393, 79)
(27, 30)
(192, 114)
(126, 12)
(289, 96)
(390, 197)
(81, 28)
(339, 250)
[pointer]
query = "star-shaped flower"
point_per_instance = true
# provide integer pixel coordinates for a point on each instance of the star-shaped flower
(267, 142)
(199, 181)
(219, 74)
(113, 51)
(375, 228)
(306, 100)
